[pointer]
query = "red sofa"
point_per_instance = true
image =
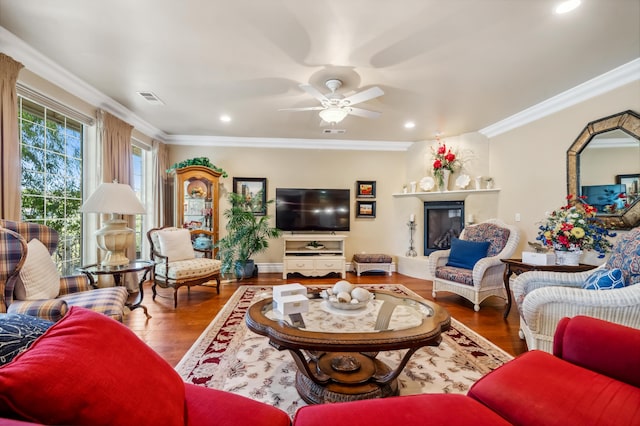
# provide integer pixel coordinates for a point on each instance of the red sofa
(593, 378)
(88, 369)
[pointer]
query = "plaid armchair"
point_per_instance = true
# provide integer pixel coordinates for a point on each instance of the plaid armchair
(486, 277)
(74, 290)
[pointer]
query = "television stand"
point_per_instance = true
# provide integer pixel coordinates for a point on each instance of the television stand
(302, 257)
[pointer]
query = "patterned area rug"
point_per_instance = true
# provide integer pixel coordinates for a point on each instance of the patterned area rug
(230, 357)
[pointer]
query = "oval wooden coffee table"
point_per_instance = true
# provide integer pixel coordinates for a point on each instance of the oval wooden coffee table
(335, 350)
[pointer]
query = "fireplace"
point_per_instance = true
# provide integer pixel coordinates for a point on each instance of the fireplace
(443, 220)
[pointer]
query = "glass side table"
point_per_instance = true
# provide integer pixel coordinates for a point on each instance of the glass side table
(117, 272)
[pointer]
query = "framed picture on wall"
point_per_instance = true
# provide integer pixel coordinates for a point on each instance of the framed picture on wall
(366, 189)
(253, 188)
(365, 209)
(632, 184)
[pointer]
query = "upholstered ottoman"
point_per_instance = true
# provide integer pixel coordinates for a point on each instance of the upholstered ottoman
(371, 262)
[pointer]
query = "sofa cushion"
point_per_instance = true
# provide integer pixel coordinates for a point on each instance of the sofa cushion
(39, 277)
(538, 388)
(465, 254)
(212, 407)
(187, 269)
(176, 244)
(17, 333)
(496, 235)
(90, 369)
(604, 279)
(426, 409)
(626, 256)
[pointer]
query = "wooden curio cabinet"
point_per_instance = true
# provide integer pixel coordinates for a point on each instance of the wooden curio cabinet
(197, 199)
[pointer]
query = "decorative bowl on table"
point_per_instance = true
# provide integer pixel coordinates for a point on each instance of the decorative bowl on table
(341, 296)
(316, 247)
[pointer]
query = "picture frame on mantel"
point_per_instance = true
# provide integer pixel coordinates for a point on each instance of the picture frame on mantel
(253, 187)
(365, 209)
(366, 189)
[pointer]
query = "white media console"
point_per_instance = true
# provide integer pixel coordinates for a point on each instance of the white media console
(301, 256)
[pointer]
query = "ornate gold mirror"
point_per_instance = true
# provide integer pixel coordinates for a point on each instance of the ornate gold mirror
(603, 165)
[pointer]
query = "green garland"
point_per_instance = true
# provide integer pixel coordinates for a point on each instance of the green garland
(198, 161)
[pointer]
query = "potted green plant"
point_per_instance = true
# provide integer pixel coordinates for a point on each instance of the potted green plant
(247, 234)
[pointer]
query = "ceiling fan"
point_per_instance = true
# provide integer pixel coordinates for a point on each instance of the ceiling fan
(334, 106)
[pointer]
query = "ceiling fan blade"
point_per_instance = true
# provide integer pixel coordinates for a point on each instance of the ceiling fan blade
(364, 113)
(363, 96)
(314, 92)
(316, 108)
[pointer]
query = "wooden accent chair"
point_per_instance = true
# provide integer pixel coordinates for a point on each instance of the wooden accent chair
(485, 277)
(17, 277)
(176, 262)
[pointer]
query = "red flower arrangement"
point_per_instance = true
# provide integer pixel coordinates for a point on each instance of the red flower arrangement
(443, 159)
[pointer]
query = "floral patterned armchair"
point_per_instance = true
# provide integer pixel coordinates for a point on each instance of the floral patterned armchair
(486, 277)
(72, 291)
(543, 298)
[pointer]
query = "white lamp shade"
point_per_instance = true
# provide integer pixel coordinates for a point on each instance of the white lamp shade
(113, 198)
(334, 114)
(114, 237)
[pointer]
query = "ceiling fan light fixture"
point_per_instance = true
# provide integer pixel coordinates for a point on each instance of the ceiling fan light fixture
(334, 114)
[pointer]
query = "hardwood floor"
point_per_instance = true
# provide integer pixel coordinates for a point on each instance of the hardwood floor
(171, 332)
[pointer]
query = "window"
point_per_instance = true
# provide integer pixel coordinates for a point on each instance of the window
(137, 159)
(51, 147)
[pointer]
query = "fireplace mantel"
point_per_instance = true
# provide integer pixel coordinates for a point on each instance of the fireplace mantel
(445, 195)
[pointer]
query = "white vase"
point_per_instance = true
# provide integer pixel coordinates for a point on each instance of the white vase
(444, 186)
(568, 258)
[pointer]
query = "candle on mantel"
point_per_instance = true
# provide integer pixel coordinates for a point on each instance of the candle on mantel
(412, 218)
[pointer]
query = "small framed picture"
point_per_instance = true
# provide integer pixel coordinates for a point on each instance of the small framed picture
(253, 188)
(365, 209)
(366, 189)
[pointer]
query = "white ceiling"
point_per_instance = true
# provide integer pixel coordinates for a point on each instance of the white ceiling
(452, 66)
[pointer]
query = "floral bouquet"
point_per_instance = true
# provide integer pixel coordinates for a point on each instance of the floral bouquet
(443, 159)
(575, 227)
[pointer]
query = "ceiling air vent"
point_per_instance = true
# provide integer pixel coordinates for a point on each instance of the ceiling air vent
(334, 131)
(151, 98)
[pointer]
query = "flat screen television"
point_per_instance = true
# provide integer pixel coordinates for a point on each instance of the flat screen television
(300, 209)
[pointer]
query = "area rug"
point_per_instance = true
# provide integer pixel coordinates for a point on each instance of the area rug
(230, 357)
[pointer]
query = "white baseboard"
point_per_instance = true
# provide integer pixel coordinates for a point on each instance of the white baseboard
(278, 267)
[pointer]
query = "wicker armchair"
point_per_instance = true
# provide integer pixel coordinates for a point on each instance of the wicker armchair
(74, 290)
(486, 277)
(543, 298)
(177, 264)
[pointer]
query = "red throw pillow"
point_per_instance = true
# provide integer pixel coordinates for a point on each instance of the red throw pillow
(90, 369)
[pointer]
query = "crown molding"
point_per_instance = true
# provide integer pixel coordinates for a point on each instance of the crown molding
(284, 143)
(51, 71)
(56, 74)
(606, 82)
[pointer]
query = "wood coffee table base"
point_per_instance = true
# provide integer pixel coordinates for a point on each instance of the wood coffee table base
(353, 376)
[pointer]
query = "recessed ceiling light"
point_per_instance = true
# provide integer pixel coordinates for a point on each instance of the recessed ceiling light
(225, 118)
(409, 125)
(566, 6)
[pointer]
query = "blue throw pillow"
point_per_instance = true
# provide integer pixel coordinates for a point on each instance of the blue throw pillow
(604, 279)
(17, 333)
(465, 254)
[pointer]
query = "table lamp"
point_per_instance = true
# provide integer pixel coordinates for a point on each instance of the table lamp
(114, 237)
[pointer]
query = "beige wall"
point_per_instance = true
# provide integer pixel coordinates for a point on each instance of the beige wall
(304, 168)
(529, 163)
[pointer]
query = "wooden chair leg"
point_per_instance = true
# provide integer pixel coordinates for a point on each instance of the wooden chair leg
(218, 283)
(175, 298)
(153, 289)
